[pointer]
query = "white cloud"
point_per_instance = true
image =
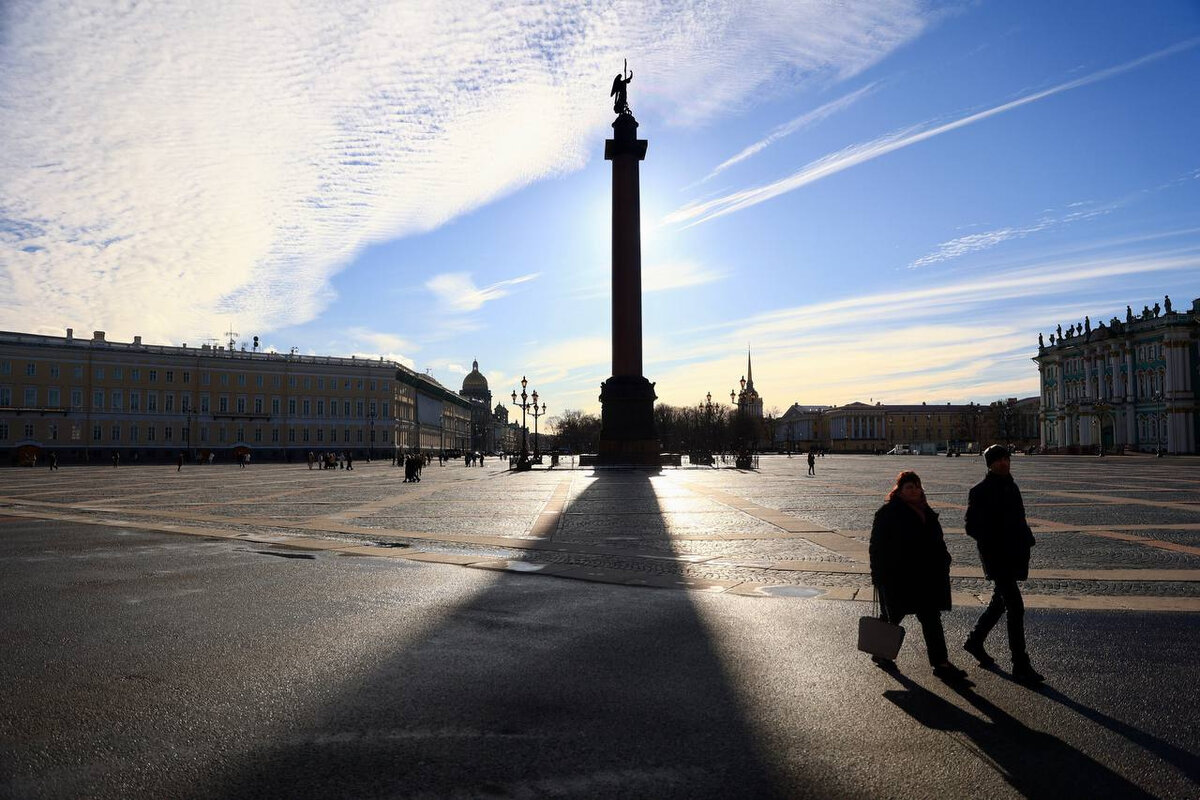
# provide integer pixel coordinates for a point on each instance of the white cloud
(457, 292)
(970, 337)
(792, 126)
(381, 342)
(852, 156)
(971, 243)
(167, 165)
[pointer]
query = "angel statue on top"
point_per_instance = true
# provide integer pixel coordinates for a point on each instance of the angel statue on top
(620, 90)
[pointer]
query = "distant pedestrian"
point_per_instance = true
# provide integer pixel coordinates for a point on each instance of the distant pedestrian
(910, 567)
(116, 459)
(812, 463)
(179, 463)
(53, 462)
(349, 460)
(995, 519)
(311, 459)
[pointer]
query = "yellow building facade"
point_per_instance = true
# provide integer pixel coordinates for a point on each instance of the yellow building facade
(89, 398)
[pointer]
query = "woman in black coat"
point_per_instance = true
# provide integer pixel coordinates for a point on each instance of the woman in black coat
(910, 566)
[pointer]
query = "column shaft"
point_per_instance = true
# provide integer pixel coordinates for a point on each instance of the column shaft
(626, 268)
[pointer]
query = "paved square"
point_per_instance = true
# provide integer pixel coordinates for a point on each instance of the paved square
(1114, 533)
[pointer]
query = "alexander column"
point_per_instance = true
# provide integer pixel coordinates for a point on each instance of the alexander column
(627, 436)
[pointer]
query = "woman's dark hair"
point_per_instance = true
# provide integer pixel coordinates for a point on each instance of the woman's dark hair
(908, 476)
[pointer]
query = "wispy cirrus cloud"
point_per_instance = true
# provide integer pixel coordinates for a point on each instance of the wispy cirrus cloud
(911, 344)
(985, 240)
(165, 169)
(854, 155)
(788, 128)
(456, 291)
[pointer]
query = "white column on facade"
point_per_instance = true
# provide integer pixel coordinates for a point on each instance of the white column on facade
(1130, 397)
(1106, 387)
(1089, 375)
(1169, 351)
(1117, 390)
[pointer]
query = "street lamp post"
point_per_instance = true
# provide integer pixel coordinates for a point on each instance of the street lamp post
(1099, 409)
(1157, 416)
(190, 446)
(371, 435)
(708, 423)
(535, 414)
(523, 461)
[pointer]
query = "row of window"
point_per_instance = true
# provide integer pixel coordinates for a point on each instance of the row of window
(1146, 384)
(1144, 353)
(134, 434)
(116, 402)
(223, 378)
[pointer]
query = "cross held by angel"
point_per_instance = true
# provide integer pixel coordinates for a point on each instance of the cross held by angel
(620, 91)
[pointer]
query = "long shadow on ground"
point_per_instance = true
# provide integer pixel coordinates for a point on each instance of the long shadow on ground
(617, 693)
(1036, 764)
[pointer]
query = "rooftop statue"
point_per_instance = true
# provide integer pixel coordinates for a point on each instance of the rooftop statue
(1128, 314)
(1041, 342)
(620, 90)
(1167, 303)
(1156, 309)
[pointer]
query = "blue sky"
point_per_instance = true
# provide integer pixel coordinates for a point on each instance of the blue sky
(886, 201)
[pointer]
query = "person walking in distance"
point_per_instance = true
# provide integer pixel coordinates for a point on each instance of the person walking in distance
(812, 463)
(995, 519)
(910, 567)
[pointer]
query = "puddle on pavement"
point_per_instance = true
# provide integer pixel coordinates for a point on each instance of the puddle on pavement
(790, 591)
(309, 556)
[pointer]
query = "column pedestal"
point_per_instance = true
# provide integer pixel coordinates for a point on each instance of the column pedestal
(627, 437)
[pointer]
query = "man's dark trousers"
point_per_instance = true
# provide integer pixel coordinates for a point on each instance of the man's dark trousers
(1006, 597)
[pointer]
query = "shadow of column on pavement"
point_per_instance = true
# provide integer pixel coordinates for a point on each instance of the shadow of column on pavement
(617, 692)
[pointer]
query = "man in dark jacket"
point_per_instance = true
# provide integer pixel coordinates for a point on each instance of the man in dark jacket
(995, 519)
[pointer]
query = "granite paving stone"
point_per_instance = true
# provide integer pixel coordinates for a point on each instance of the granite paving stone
(1112, 513)
(739, 523)
(1188, 538)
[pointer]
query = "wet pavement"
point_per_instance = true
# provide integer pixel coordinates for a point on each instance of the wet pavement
(276, 632)
(147, 664)
(1122, 531)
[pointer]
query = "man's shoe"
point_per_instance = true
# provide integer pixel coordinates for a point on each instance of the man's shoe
(949, 672)
(1024, 673)
(975, 647)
